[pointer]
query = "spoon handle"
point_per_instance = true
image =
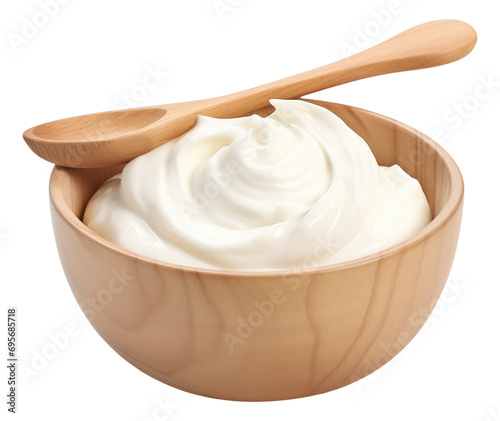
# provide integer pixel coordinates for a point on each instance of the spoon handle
(114, 137)
(427, 45)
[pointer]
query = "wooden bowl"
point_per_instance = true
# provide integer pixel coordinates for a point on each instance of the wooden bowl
(266, 335)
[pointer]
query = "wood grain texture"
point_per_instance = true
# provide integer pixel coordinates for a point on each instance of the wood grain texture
(110, 138)
(270, 335)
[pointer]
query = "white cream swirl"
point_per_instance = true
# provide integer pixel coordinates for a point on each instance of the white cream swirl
(296, 189)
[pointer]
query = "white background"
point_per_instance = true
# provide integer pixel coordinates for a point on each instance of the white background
(90, 53)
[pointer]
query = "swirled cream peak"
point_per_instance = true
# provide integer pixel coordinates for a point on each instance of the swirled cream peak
(296, 189)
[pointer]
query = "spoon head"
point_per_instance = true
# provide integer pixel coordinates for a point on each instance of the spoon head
(87, 141)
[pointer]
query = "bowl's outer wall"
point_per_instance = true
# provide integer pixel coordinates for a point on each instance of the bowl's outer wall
(265, 337)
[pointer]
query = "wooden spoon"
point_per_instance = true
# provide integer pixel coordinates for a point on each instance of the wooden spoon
(115, 137)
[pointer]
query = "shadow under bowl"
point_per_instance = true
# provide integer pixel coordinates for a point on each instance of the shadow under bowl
(266, 335)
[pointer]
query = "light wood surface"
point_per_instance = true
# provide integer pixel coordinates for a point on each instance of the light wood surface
(326, 327)
(110, 138)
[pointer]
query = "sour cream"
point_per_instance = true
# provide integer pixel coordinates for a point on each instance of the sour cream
(293, 190)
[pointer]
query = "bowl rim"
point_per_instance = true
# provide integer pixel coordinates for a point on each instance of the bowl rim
(447, 212)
